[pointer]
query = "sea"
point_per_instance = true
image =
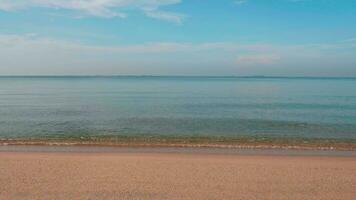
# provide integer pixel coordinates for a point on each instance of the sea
(180, 106)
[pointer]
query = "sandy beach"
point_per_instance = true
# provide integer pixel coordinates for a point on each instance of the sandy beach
(70, 175)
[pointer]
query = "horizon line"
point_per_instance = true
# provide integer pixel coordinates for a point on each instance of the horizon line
(173, 76)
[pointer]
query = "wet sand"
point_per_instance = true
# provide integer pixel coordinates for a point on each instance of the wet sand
(135, 175)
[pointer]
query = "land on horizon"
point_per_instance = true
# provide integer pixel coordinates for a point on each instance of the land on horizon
(179, 76)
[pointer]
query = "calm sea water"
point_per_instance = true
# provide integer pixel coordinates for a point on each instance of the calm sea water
(177, 106)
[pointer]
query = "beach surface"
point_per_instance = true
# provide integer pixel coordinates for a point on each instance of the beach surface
(148, 175)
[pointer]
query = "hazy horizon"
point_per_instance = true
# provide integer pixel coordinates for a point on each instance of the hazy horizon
(183, 76)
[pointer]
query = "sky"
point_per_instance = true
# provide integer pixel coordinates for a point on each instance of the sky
(178, 37)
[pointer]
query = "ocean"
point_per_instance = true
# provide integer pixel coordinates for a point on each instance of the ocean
(276, 107)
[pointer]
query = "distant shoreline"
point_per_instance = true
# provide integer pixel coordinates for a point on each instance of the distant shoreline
(176, 76)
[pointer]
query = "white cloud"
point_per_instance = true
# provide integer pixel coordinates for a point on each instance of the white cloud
(240, 2)
(257, 59)
(100, 8)
(32, 54)
(33, 41)
(167, 16)
(350, 40)
(258, 53)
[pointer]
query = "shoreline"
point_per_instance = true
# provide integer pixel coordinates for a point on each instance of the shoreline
(174, 150)
(177, 168)
(261, 143)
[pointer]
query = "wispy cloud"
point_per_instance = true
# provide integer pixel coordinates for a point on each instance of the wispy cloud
(167, 16)
(296, 1)
(350, 40)
(37, 55)
(240, 2)
(259, 53)
(257, 59)
(32, 41)
(100, 8)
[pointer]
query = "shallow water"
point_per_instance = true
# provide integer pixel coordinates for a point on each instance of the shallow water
(33, 107)
(191, 150)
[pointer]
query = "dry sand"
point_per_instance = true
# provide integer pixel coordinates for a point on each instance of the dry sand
(174, 176)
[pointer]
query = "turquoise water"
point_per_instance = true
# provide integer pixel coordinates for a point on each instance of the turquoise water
(178, 106)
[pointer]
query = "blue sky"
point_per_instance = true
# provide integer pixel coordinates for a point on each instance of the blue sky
(178, 37)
